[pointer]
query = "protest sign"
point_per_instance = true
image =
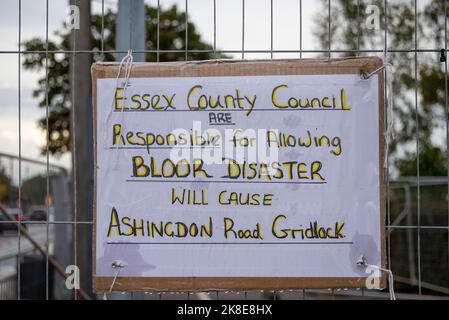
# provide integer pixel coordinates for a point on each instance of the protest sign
(238, 175)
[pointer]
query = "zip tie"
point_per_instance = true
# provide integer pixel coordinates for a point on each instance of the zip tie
(362, 262)
(119, 265)
(442, 55)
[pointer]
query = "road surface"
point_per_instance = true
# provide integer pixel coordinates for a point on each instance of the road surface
(9, 247)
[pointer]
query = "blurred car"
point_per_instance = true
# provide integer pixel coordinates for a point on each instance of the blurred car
(6, 226)
(16, 214)
(38, 214)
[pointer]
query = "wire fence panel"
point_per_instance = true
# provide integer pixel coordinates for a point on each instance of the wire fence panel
(52, 224)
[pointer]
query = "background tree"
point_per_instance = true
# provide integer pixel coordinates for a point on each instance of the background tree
(8, 192)
(349, 32)
(34, 189)
(171, 37)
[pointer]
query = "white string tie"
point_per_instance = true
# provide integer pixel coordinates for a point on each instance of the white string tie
(127, 61)
(362, 262)
(119, 265)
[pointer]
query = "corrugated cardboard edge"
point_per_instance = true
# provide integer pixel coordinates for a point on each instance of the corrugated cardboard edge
(210, 68)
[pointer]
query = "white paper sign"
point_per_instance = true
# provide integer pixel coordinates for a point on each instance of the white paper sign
(307, 207)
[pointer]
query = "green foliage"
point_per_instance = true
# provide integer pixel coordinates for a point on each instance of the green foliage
(34, 189)
(8, 192)
(171, 37)
(432, 163)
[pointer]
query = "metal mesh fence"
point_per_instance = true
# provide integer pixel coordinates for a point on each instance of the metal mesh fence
(41, 197)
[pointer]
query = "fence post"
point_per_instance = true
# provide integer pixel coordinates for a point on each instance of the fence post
(131, 28)
(63, 233)
(82, 141)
